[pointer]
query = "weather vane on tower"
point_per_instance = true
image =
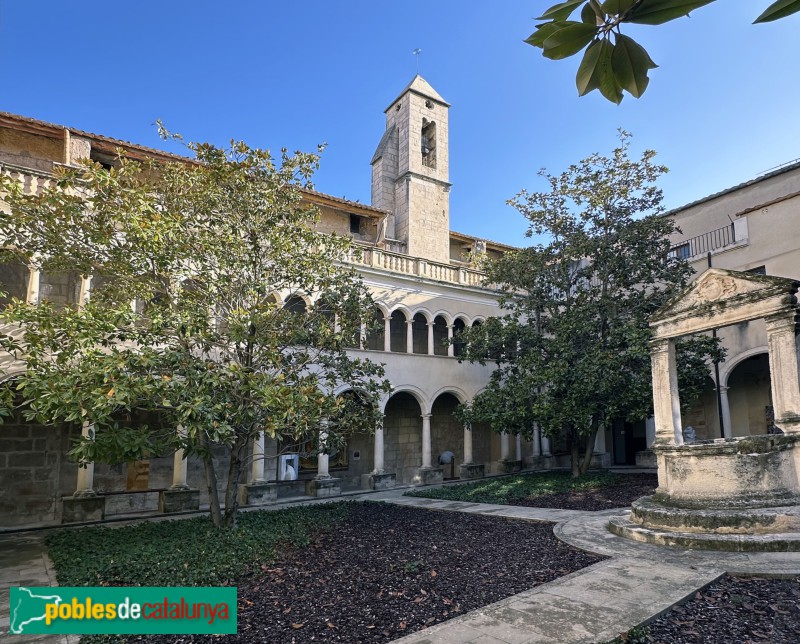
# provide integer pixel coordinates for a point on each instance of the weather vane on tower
(416, 53)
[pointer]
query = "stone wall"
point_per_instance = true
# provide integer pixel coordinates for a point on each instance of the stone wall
(447, 433)
(403, 437)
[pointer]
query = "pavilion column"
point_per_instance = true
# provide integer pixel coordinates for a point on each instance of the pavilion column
(85, 486)
(34, 279)
(431, 350)
(467, 443)
(727, 428)
(518, 447)
(378, 454)
(666, 399)
(451, 349)
(410, 336)
(387, 334)
(505, 447)
(179, 467)
(257, 467)
(426, 441)
(783, 365)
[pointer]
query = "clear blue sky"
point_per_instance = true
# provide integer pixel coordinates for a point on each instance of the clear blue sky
(723, 107)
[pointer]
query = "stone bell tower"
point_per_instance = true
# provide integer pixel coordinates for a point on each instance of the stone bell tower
(410, 172)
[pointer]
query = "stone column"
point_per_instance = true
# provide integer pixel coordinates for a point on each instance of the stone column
(85, 485)
(467, 444)
(85, 504)
(85, 292)
(179, 497)
(410, 336)
(323, 484)
(362, 336)
(536, 448)
(783, 366)
(430, 339)
(426, 441)
(546, 446)
(469, 469)
(378, 454)
(258, 491)
(518, 447)
(727, 428)
(666, 400)
(378, 479)
(427, 474)
(32, 295)
(451, 349)
(257, 468)
(387, 334)
(505, 448)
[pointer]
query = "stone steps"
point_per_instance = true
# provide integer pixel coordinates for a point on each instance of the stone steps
(774, 542)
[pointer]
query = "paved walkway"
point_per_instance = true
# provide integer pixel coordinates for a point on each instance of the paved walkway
(638, 583)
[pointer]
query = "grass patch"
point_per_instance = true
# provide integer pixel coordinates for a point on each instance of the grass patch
(522, 486)
(189, 552)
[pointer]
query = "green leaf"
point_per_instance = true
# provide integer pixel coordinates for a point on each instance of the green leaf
(560, 11)
(630, 63)
(595, 57)
(779, 9)
(617, 7)
(588, 15)
(567, 39)
(541, 34)
(657, 12)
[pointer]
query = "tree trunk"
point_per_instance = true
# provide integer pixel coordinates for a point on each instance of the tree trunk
(213, 494)
(575, 457)
(232, 487)
(589, 450)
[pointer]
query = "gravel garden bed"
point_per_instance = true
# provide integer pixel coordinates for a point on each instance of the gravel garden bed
(386, 571)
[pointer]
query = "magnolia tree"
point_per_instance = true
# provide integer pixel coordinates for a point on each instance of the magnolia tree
(182, 341)
(572, 351)
(613, 62)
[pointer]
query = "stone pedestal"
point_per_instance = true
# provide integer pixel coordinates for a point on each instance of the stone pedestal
(178, 500)
(646, 458)
(258, 494)
(509, 467)
(324, 487)
(374, 481)
(468, 471)
(83, 508)
(428, 476)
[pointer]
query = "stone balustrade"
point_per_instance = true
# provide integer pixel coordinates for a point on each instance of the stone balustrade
(417, 266)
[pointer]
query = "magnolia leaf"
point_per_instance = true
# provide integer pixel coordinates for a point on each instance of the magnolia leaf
(567, 39)
(538, 37)
(588, 15)
(657, 12)
(779, 9)
(596, 62)
(617, 7)
(631, 63)
(560, 11)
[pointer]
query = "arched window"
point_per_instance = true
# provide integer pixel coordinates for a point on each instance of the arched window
(376, 330)
(397, 332)
(420, 334)
(295, 304)
(458, 343)
(440, 336)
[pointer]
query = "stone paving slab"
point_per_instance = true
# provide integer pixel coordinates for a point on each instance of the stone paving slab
(24, 562)
(591, 605)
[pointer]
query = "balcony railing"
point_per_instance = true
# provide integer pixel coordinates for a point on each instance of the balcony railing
(705, 243)
(416, 266)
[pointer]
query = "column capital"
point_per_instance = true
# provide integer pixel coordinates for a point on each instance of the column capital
(428, 416)
(660, 345)
(783, 321)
